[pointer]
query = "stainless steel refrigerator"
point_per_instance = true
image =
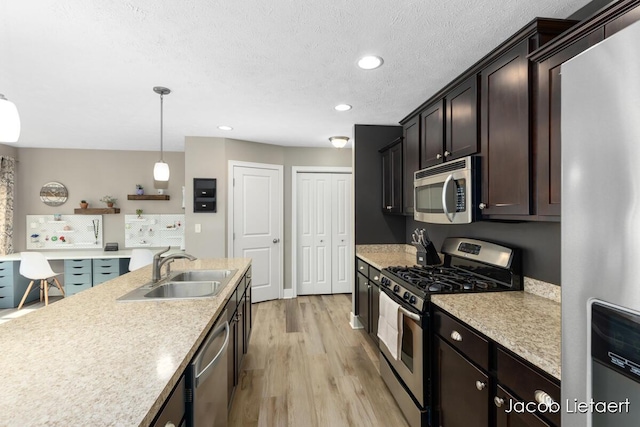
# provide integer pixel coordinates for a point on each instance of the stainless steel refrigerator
(601, 233)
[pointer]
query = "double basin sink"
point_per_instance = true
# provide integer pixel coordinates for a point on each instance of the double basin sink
(183, 285)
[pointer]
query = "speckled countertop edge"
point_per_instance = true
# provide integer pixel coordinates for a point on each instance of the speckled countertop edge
(527, 323)
(90, 360)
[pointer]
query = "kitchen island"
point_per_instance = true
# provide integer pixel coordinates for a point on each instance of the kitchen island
(91, 360)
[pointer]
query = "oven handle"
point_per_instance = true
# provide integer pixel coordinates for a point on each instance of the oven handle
(444, 198)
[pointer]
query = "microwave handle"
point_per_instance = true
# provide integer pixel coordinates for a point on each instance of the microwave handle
(444, 198)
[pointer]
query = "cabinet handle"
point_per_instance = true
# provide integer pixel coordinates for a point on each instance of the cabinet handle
(543, 397)
(438, 156)
(376, 278)
(362, 267)
(455, 335)
(169, 424)
(388, 207)
(447, 154)
(498, 401)
(482, 206)
(480, 385)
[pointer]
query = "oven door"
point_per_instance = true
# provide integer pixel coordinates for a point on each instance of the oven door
(410, 364)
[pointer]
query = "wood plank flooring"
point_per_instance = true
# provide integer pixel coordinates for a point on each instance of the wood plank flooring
(306, 367)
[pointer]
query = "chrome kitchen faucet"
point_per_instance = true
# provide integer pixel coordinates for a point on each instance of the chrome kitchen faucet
(158, 262)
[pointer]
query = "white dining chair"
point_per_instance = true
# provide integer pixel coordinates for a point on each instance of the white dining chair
(140, 258)
(34, 266)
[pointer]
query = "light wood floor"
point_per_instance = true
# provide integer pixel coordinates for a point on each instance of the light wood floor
(306, 367)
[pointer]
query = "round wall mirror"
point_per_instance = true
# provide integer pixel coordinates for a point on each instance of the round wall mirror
(53, 194)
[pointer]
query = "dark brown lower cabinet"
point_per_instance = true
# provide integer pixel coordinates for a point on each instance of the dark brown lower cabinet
(362, 300)
(462, 389)
(505, 402)
(374, 312)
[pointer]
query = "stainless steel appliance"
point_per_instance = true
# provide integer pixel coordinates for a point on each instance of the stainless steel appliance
(469, 266)
(446, 193)
(206, 376)
(600, 133)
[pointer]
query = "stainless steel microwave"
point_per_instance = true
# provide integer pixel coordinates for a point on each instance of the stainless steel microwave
(446, 193)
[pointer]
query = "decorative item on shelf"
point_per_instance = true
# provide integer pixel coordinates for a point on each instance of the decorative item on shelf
(139, 213)
(67, 228)
(57, 217)
(96, 229)
(35, 238)
(84, 204)
(109, 201)
(139, 190)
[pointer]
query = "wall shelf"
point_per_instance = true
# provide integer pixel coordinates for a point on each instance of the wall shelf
(148, 197)
(96, 211)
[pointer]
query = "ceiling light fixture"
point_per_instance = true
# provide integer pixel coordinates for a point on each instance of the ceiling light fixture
(9, 121)
(339, 141)
(370, 62)
(225, 128)
(161, 169)
(343, 107)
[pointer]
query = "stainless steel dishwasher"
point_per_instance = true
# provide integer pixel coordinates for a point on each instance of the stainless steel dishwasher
(206, 388)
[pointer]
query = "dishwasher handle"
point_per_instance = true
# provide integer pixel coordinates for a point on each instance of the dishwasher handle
(206, 371)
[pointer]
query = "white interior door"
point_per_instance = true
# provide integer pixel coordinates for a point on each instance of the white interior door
(257, 222)
(315, 233)
(341, 220)
(324, 221)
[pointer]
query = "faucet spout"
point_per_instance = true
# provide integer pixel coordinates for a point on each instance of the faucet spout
(159, 261)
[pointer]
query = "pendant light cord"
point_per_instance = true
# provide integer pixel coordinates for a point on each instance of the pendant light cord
(161, 127)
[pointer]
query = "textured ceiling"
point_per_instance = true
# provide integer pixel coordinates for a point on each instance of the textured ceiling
(81, 72)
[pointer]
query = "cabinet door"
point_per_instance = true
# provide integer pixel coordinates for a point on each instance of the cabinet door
(392, 179)
(504, 122)
(248, 315)
(362, 300)
(240, 332)
(548, 146)
(462, 389)
(411, 154)
(503, 401)
(374, 312)
(231, 350)
(462, 120)
(432, 135)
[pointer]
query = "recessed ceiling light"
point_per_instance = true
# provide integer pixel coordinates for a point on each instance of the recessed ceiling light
(343, 107)
(225, 128)
(370, 62)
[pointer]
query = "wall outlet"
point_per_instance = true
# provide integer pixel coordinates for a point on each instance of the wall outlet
(198, 228)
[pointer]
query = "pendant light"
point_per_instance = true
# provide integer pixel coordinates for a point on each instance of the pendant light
(161, 169)
(9, 121)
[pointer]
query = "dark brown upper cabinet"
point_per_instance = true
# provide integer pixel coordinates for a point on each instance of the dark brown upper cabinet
(504, 124)
(411, 162)
(392, 177)
(449, 125)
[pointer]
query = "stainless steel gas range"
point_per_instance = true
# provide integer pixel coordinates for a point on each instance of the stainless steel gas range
(469, 266)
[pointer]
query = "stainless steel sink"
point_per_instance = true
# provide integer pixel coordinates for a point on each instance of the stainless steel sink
(193, 284)
(202, 275)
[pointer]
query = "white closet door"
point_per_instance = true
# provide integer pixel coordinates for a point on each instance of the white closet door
(341, 220)
(314, 233)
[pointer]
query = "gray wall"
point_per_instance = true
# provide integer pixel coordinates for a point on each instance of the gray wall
(6, 150)
(90, 175)
(372, 226)
(208, 158)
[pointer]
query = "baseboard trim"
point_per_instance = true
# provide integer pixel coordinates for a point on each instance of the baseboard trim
(354, 321)
(288, 294)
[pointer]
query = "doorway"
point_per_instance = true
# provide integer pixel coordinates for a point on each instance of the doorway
(322, 230)
(255, 224)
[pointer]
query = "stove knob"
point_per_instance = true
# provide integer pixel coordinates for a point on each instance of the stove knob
(385, 281)
(413, 299)
(406, 295)
(396, 288)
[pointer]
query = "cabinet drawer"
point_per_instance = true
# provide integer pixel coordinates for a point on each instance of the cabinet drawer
(525, 381)
(101, 277)
(112, 264)
(6, 290)
(74, 288)
(77, 278)
(374, 275)
(6, 279)
(203, 206)
(77, 266)
(472, 345)
(174, 409)
(6, 268)
(362, 267)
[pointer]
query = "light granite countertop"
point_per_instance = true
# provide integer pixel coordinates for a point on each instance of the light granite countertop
(91, 360)
(527, 324)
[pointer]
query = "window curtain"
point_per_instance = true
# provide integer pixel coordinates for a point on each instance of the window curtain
(7, 179)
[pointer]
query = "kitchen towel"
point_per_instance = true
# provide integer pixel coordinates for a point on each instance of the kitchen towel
(388, 324)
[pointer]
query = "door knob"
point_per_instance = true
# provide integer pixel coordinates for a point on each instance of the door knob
(276, 240)
(482, 206)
